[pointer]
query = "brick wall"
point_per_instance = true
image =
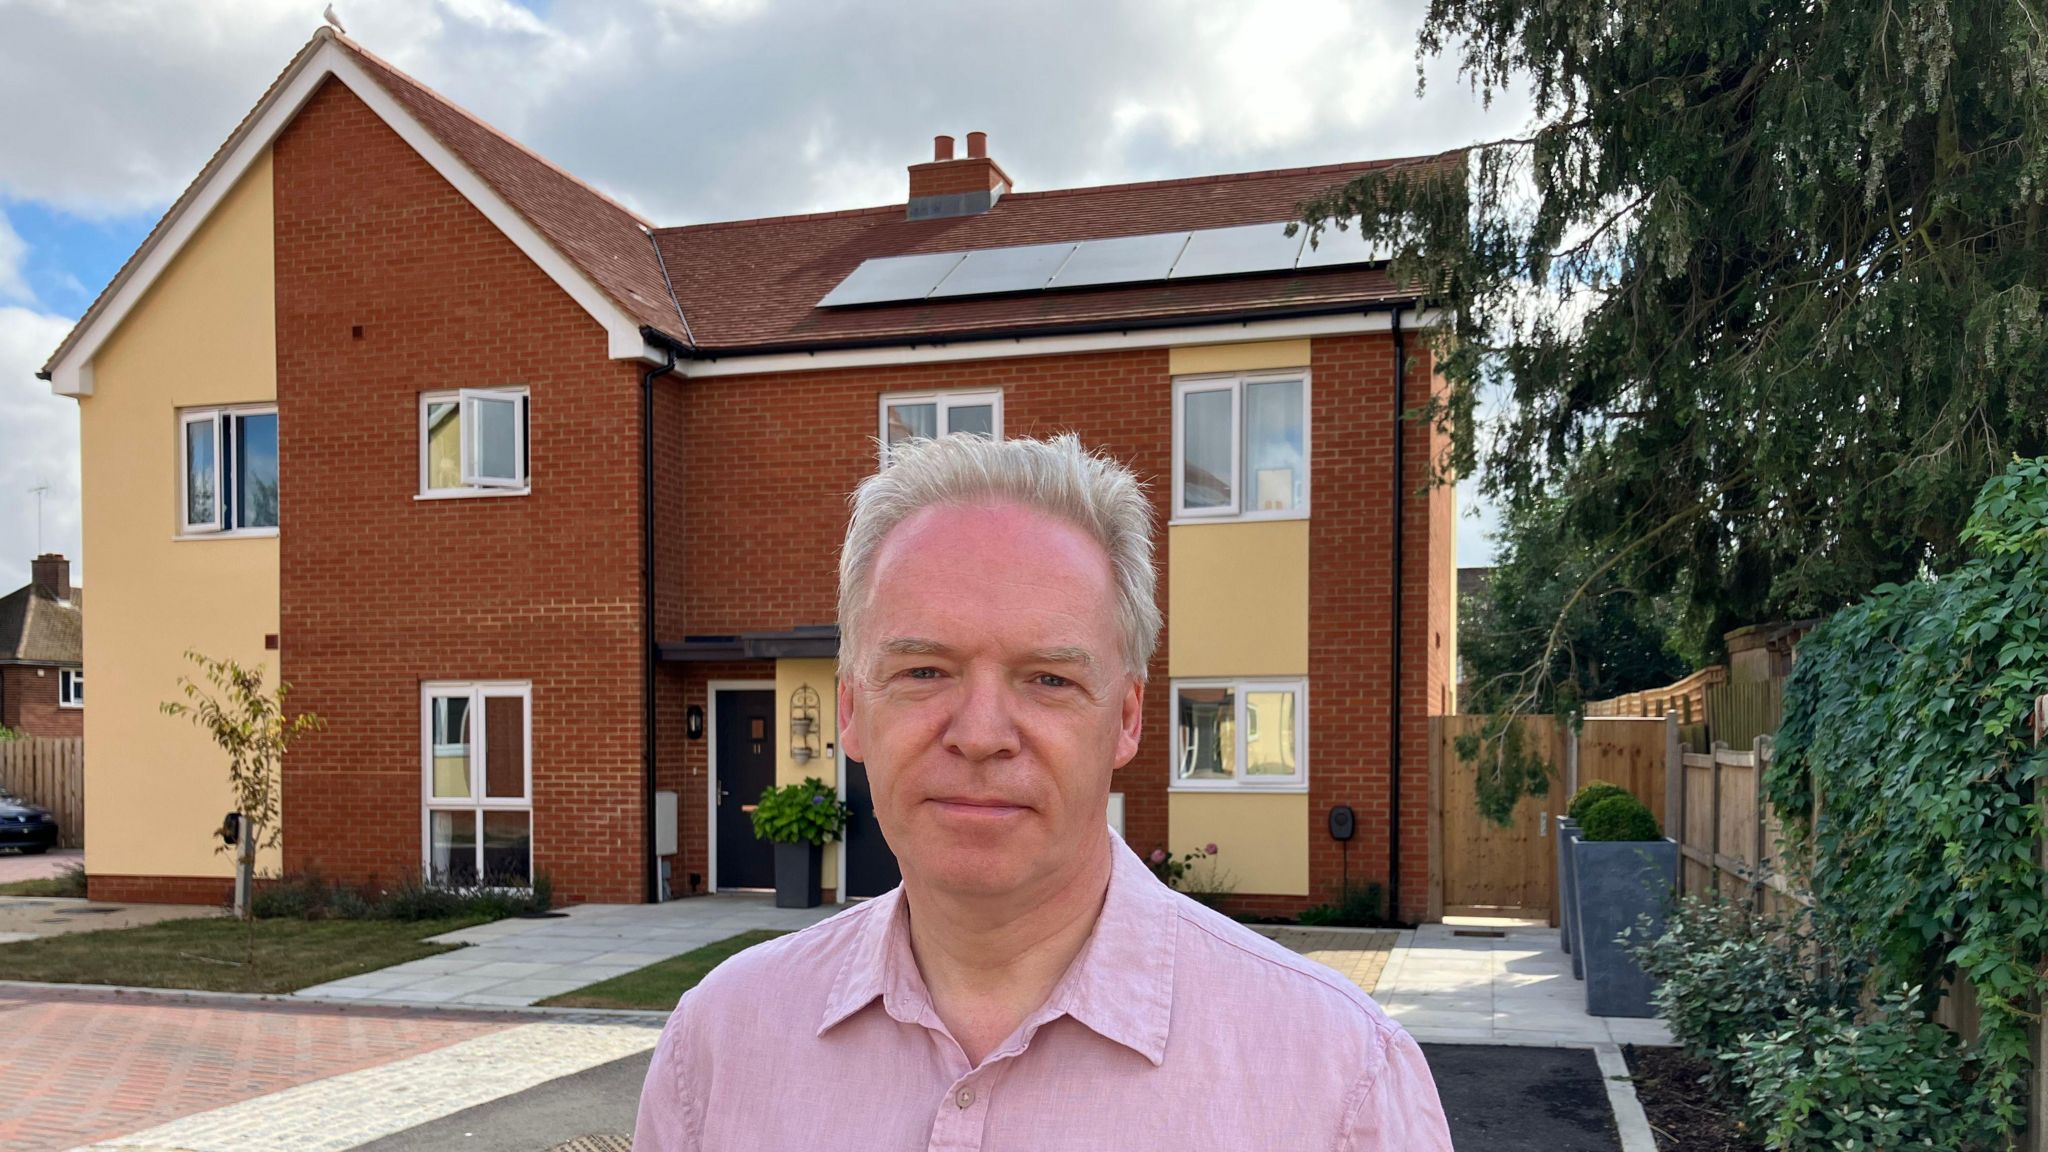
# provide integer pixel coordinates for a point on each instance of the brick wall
(762, 486)
(382, 591)
(28, 703)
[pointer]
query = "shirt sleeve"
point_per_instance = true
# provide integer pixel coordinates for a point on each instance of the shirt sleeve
(1398, 1109)
(667, 1121)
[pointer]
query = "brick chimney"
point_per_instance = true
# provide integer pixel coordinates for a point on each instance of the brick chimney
(947, 186)
(52, 573)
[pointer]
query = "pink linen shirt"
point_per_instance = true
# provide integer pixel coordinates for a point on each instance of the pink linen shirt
(1175, 1028)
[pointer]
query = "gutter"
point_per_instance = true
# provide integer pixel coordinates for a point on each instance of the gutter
(647, 650)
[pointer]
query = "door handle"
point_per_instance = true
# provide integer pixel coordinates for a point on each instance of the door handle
(722, 794)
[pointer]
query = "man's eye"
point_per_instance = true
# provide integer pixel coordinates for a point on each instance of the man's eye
(1050, 680)
(922, 673)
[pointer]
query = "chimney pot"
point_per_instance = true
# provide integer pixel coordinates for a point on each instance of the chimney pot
(942, 147)
(977, 145)
(52, 572)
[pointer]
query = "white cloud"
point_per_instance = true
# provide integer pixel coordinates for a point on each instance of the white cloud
(38, 445)
(14, 287)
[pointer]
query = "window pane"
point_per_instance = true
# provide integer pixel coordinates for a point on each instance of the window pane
(508, 849)
(256, 468)
(1269, 741)
(1208, 744)
(1205, 449)
(972, 419)
(451, 747)
(200, 470)
(1273, 454)
(444, 444)
(497, 439)
(504, 747)
(454, 848)
(912, 420)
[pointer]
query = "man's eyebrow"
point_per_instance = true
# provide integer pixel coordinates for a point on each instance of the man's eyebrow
(920, 646)
(1065, 654)
(914, 646)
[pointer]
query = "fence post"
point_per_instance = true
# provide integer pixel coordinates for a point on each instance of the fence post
(1760, 748)
(1714, 827)
(1674, 792)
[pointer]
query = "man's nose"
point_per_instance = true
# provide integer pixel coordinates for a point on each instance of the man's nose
(984, 725)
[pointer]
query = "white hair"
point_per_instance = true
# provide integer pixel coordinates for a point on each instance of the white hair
(1056, 476)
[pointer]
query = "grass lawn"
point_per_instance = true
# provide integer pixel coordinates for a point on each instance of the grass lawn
(70, 882)
(659, 986)
(210, 954)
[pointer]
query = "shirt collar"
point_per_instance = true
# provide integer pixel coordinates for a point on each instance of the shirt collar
(1120, 984)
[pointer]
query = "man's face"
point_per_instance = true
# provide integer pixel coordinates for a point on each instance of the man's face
(991, 702)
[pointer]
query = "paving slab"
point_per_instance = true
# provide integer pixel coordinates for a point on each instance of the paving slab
(521, 961)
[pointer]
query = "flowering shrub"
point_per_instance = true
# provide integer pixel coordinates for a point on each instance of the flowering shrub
(806, 813)
(1180, 873)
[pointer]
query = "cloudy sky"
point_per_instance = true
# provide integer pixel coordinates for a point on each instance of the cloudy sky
(688, 110)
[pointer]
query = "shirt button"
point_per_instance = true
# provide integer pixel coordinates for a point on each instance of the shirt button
(964, 1098)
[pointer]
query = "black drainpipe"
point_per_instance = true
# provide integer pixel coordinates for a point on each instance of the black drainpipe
(1394, 739)
(647, 649)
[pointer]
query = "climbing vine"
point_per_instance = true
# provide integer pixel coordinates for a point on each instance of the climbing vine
(1907, 763)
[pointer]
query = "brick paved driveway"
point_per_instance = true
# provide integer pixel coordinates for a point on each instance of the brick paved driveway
(85, 1066)
(21, 866)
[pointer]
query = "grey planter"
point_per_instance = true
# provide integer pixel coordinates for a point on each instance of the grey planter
(1619, 881)
(798, 868)
(1567, 832)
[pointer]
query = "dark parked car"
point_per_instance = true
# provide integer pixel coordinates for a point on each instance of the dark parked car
(25, 826)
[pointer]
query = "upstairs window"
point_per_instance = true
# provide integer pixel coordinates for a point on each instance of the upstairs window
(930, 415)
(70, 687)
(1240, 447)
(473, 442)
(228, 471)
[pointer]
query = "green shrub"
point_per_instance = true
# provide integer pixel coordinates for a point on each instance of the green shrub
(1358, 906)
(1725, 970)
(1592, 794)
(806, 813)
(1825, 1081)
(308, 896)
(1620, 817)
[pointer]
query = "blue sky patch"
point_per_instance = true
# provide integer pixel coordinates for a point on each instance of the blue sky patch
(70, 258)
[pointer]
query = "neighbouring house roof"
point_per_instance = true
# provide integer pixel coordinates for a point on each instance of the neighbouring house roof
(37, 628)
(754, 285)
(1473, 583)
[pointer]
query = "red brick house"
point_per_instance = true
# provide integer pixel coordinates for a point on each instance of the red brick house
(559, 492)
(42, 646)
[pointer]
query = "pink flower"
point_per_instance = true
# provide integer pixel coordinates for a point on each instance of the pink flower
(1210, 849)
(1159, 855)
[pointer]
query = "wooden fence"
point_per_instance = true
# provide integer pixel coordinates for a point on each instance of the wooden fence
(1739, 712)
(51, 774)
(1685, 699)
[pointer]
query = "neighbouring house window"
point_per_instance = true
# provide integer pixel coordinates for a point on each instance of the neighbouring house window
(1240, 734)
(930, 415)
(71, 687)
(1240, 446)
(473, 442)
(228, 473)
(477, 784)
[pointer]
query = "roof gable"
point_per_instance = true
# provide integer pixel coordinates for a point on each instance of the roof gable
(595, 250)
(38, 629)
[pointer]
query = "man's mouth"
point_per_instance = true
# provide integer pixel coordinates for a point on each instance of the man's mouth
(976, 805)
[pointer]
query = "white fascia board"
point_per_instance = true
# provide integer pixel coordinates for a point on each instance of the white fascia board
(71, 369)
(1237, 332)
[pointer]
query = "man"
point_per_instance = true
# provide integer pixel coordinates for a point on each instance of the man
(1030, 985)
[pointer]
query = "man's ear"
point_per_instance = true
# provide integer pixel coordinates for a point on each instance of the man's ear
(1133, 720)
(849, 726)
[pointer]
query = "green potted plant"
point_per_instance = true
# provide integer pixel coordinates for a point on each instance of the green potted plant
(799, 819)
(1626, 869)
(1567, 880)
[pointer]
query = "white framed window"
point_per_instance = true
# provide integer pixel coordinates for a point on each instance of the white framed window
(227, 471)
(1240, 446)
(930, 415)
(476, 783)
(473, 442)
(71, 687)
(1240, 734)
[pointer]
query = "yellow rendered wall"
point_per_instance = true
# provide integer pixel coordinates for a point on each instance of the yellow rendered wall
(1261, 838)
(1238, 357)
(823, 678)
(205, 334)
(1238, 594)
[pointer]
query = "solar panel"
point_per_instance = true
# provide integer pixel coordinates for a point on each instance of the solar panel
(1124, 260)
(893, 278)
(1249, 248)
(1333, 247)
(1020, 269)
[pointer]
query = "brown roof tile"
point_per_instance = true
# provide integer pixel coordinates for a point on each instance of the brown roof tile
(35, 628)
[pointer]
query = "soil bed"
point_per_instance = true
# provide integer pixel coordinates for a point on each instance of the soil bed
(1685, 1113)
